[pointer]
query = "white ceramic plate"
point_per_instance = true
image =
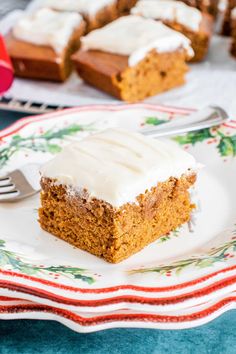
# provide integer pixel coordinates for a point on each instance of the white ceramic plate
(177, 271)
(11, 308)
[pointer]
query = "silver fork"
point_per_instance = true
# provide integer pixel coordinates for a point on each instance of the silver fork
(24, 182)
(20, 183)
(205, 118)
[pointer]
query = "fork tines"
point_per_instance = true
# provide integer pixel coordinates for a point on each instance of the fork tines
(7, 188)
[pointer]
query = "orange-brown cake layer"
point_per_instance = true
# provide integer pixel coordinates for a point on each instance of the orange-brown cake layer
(227, 24)
(124, 6)
(233, 46)
(102, 17)
(156, 73)
(42, 62)
(109, 13)
(199, 40)
(115, 233)
(207, 6)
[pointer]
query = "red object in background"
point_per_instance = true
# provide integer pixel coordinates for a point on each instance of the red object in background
(6, 70)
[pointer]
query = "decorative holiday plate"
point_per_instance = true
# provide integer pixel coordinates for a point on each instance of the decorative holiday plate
(193, 264)
(11, 308)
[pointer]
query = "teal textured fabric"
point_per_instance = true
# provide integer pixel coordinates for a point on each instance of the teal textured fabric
(31, 337)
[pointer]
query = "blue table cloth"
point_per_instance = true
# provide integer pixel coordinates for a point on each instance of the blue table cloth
(33, 336)
(28, 336)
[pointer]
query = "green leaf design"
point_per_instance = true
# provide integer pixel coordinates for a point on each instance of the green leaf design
(53, 148)
(2, 243)
(174, 233)
(204, 263)
(16, 137)
(17, 263)
(194, 137)
(227, 145)
(164, 238)
(66, 131)
(218, 254)
(49, 141)
(154, 121)
(88, 280)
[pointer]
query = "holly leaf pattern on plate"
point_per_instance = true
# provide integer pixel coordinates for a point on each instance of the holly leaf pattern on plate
(48, 141)
(17, 263)
(227, 145)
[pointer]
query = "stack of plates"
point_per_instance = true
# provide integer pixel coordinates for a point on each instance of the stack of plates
(182, 280)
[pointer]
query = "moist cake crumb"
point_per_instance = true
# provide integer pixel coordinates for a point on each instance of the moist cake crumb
(114, 192)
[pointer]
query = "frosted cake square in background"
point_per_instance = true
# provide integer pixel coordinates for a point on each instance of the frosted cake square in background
(41, 44)
(133, 58)
(188, 20)
(233, 32)
(96, 13)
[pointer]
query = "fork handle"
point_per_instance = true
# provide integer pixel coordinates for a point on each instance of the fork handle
(199, 120)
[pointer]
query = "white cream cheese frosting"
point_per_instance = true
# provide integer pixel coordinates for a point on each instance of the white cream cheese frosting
(169, 10)
(116, 165)
(135, 36)
(47, 27)
(85, 7)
